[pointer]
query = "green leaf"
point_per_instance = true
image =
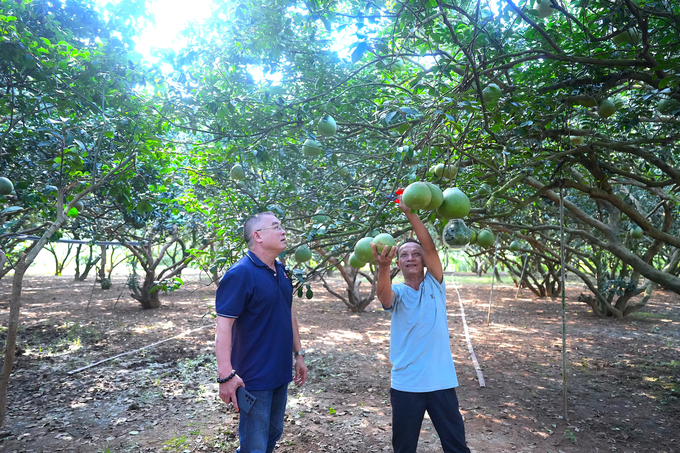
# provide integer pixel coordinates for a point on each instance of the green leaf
(144, 207)
(358, 51)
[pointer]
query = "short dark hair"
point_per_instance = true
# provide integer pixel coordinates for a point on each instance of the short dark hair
(250, 225)
(406, 241)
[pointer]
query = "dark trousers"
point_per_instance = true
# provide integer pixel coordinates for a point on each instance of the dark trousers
(408, 410)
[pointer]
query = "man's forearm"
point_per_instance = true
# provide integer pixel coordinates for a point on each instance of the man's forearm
(384, 287)
(223, 345)
(297, 344)
(421, 231)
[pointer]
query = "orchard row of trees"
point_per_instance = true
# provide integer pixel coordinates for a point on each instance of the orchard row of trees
(574, 106)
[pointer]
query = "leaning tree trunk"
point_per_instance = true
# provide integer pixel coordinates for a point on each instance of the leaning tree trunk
(12, 328)
(145, 294)
(354, 300)
(89, 264)
(15, 305)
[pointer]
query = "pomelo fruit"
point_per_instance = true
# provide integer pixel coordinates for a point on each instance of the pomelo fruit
(236, 173)
(327, 126)
(6, 186)
(543, 8)
(312, 148)
(485, 238)
(444, 171)
(437, 170)
(343, 172)
(383, 240)
(484, 190)
(363, 250)
(515, 246)
(606, 108)
(492, 93)
(456, 204)
(621, 38)
(636, 233)
(436, 199)
(320, 216)
(417, 195)
(302, 254)
(79, 205)
(473, 236)
(355, 262)
(576, 139)
(630, 36)
(665, 105)
(449, 171)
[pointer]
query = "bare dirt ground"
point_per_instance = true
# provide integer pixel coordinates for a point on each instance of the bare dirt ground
(623, 376)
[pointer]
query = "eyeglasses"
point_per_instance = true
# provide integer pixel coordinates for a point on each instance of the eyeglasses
(276, 227)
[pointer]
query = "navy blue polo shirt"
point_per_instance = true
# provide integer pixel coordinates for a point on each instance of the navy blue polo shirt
(262, 334)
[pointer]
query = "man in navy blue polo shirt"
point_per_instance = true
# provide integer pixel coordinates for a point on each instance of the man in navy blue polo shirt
(257, 334)
(423, 372)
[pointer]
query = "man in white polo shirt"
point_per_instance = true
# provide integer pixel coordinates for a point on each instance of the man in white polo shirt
(423, 373)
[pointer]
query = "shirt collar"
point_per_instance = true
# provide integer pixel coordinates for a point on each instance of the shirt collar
(258, 262)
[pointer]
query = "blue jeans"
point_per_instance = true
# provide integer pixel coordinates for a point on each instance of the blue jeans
(259, 430)
(408, 410)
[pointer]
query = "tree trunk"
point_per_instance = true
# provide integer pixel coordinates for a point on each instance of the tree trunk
(102, 264)
(12, 327)
(89, 264)
(15, 307)
(145, 295)
(104, 277)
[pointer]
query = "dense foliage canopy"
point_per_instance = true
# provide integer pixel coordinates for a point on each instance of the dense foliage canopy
(575, 105)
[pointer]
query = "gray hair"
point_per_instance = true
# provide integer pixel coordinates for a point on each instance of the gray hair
(251, 225)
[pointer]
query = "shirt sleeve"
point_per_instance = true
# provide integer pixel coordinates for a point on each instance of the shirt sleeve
(441, 286)
(397, 296)
(233, 293)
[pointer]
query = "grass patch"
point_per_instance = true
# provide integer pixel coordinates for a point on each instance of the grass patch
(176, 443)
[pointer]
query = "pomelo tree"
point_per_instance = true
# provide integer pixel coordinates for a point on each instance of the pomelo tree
(497, 95)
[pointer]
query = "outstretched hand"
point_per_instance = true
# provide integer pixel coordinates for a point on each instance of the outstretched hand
(400, 194)
(385, 258)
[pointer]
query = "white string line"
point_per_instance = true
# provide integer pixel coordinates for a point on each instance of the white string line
(480, 376)
(50, 306)
(140, 349)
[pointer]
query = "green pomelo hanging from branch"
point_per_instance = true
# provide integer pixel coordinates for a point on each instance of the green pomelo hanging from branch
(417, 195)
(363, 250)
(327, 127)
(456, 204)
(436, 199)
(302, 254)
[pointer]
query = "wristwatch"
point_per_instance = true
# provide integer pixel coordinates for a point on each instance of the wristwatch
(300, 352)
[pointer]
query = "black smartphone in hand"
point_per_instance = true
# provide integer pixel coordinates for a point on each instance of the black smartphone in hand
(245, 400)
